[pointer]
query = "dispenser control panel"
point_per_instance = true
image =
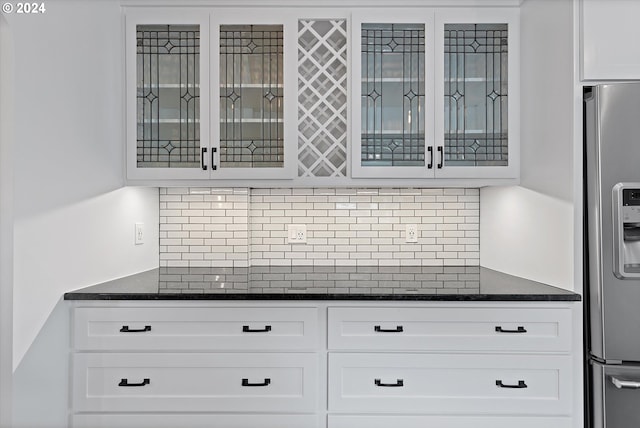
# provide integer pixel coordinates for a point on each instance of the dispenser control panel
(626, 230)
(631, 205)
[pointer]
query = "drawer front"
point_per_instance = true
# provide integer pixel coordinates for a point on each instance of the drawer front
(195, 382)
(401, 421)
(456, 384)
(450, 329)
(178, 329)
(193, 421)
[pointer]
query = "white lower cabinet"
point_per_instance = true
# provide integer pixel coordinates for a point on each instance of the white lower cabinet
(450, 384)
(319, 364)
(194, 365)
(423, 421)
(198, 382)
(193, 421)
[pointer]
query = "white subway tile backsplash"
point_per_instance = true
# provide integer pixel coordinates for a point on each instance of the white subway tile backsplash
(240, 227)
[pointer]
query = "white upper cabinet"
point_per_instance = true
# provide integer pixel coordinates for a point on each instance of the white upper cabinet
(323, 97)
(477, 129)
(167, 94)
(438, 94)
(253, 100)
(393, 91)
(181, 65)
(609, 35)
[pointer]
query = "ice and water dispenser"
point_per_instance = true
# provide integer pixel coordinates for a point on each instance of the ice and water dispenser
(626, 230)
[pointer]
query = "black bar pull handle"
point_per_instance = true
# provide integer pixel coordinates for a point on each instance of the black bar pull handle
(202, 159)
(521, 384)
(399, 383)
(125, 382)
(520, 329)
(266, 382)
(398, 329)
(126, 329)
(213, 162)
(441, 157)
(430, 150)
(246, 329)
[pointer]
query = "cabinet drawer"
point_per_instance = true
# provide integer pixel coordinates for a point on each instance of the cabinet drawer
(195, 382)
(403, 421)
(178, 329)
(450, 329)
(447, 383)
(192, 421)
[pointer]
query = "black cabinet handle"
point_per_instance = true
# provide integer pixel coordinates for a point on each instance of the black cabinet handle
(399, 383)
(520, 329)
(246, 329)
(441, 157)
(266, 382)
(398, 329)
(125, 382)
(126, 329)
(202, 159)
(213, 162)
(520, 385)
(430, 150)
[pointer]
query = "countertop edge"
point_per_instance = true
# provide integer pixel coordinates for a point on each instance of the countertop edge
(493, 286)
(78, 296)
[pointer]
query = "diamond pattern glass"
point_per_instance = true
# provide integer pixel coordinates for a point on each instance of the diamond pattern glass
(168, 96)
(251, 96)
(476, 95)
(393, 95)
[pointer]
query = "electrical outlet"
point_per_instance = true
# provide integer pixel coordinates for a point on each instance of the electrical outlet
(411, 233)
(297, 233)
(139, 236)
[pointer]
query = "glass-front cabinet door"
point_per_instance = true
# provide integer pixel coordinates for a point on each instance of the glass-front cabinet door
(477, 126)
(211, 94)
(392, 94)
(254, 108)
(167, 58)
(435, 94)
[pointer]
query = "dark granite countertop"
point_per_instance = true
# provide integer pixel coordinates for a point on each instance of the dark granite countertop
(454, 283)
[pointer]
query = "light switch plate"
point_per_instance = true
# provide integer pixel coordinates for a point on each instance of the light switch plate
(139, 234)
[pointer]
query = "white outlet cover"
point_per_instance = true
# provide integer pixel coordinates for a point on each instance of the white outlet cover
(139, 234)
(297, 233)
(411, 233)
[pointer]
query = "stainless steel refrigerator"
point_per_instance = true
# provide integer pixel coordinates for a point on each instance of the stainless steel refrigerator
(612, 254)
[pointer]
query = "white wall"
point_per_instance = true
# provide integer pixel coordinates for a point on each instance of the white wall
(74, 223)
(529, 230)
(6, 223)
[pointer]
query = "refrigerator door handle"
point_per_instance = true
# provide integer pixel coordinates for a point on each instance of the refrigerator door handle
(626, 384)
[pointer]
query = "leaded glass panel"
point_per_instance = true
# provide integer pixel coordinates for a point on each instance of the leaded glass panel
(476, 94)
(393, 95)
(168, 96)
(251, 96)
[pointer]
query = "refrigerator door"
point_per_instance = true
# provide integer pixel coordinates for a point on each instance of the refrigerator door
(616, 396)
(612, 156)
